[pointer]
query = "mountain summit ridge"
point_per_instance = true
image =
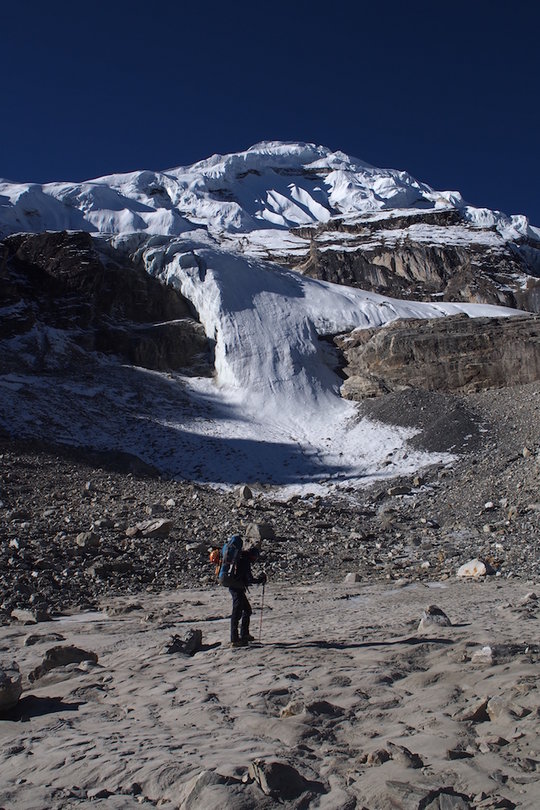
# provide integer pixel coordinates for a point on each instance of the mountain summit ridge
(271, 184)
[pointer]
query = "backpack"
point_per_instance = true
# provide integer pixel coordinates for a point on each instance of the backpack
(230, 554)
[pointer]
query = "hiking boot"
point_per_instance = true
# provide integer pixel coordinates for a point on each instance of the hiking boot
(241, 642)
(248, 638)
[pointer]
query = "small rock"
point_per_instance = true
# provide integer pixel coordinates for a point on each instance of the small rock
(154, 509)
(378, 757)
(477, 713)
(245, 494)
(352, 577)
(432, 617)
(399, 490)
(496, 708)
(491, 743)
(405, 757)
(292, 708)
(104, 523)
(35, 638)
(87, 540)
(458, 753)
(98, 793)
(33, 616)
(483, 656)
(445, 799)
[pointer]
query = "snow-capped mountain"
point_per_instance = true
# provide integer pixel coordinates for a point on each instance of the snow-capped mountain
(270, 186)
(329, 215)
(272, 412)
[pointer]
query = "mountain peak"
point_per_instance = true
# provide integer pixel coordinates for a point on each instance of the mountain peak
(271, 185)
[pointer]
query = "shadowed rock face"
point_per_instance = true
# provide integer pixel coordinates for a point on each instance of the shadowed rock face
(453, 354)
(59, 281)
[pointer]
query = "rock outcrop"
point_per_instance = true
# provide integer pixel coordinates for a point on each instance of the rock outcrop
(432, 254)
(455, 354)
(60, 296)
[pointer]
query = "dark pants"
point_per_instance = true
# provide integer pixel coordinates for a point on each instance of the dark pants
(241, 612)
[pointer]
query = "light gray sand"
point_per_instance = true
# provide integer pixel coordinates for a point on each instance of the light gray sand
(342, 673)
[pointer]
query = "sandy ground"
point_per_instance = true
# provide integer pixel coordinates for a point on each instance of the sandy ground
(366, 710)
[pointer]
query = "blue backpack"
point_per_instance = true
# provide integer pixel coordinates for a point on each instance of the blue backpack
(230, 554)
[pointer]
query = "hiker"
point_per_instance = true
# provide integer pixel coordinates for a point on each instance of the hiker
(241, 609)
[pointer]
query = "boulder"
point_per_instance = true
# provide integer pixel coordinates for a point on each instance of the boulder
(60, 657)
(244, 494)
(260, 531)
(10, 686)
(33, 616)
(474, 569)
(160, 527)
(280, 780)
(189, 645)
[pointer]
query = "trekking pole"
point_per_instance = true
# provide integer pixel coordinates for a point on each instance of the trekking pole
(262, 608)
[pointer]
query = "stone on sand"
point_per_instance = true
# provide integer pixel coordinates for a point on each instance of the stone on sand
(280, 780)
(433, 617)
(189, 645)
(33, 616)
(59, 657)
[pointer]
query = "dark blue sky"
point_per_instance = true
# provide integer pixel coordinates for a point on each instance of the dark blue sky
(447, 91)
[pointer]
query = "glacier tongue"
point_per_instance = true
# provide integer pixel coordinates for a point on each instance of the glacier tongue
(274, 377)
